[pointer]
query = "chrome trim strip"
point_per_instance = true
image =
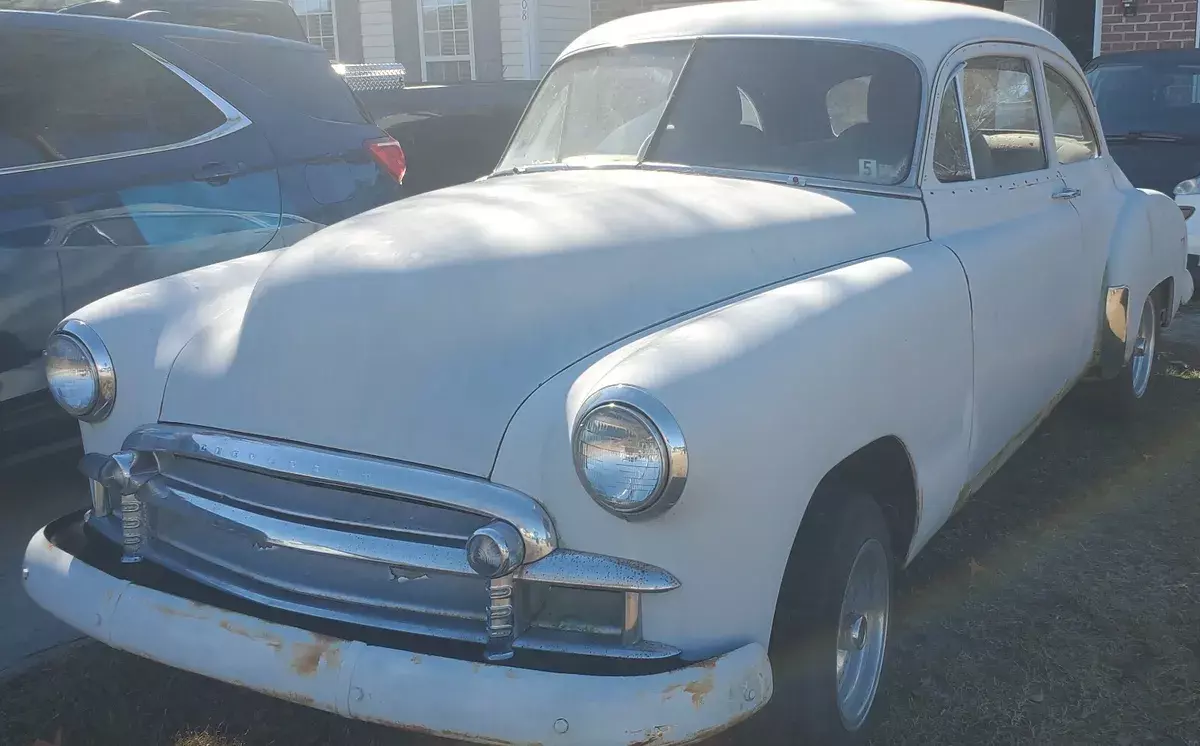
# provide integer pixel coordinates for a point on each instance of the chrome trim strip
(533, 638)
(330, 542)
(962, 118)
(106, 376)
(567, 567)
(813, 182)
(564, 567)
(364, 473)
(234, 121)
(670, 438)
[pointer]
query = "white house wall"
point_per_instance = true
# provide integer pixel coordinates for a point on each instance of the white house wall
(379, 44)
(534, 32)
(559, 22)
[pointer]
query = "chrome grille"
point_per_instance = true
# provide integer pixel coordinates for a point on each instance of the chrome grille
(355, 540)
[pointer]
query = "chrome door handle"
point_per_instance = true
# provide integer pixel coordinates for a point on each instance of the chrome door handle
(1067, 193)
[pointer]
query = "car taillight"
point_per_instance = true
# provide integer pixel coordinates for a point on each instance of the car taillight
(390, 155)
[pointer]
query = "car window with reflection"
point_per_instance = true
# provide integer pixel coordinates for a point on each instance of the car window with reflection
(841, 111)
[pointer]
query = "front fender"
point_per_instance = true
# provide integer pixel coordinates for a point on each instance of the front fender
(144, 328)
(771, 391)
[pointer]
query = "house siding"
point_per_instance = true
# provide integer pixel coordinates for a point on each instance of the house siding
(559, 22)
(378, 39)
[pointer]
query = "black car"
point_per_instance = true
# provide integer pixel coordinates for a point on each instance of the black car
(132, 150)
(1149, 106)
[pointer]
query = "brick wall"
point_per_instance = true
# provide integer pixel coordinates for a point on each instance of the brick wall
(1159, 24)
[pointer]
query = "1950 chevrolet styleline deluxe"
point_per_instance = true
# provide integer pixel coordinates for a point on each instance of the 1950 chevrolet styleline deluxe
(624, 442)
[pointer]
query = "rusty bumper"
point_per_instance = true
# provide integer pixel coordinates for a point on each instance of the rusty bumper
(448, 697)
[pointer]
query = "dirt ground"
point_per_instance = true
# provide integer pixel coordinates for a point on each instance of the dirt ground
(1061, 606)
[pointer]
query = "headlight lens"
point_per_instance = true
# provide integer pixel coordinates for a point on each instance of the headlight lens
(79, 372)
(629, 453)
(71, 375)
(1191, 186)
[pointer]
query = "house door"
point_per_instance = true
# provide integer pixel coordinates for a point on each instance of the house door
(1074, 21)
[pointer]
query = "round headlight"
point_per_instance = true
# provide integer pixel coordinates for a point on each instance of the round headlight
(629, 452)
(79, 371)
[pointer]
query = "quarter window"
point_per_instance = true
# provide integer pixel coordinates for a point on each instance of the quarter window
(950, 160)
(64, 97)
(1074, 136)
(1000, 107)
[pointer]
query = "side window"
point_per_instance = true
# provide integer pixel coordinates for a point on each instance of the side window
(950, 160)
(1074, 136)
(848, 103)
(64, 97)
(1000, 107)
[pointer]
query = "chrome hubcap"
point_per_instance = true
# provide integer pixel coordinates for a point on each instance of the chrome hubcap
(863, 633)
(1143, 351)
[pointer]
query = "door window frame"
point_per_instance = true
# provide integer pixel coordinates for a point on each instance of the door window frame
(952, 66)
(426, 58)
(234, 121)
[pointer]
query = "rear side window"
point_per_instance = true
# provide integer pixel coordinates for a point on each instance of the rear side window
(296, 76)
(1074, 137)
(65, 97)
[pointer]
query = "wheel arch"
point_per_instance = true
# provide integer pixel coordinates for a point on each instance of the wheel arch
(884, 470)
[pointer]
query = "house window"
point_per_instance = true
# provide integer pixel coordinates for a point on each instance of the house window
(446, 44)
(316, 16)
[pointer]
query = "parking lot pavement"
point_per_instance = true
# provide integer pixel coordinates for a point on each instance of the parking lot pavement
(31, 495)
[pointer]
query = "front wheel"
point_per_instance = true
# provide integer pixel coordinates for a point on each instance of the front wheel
(1125, 392)
(831, 628)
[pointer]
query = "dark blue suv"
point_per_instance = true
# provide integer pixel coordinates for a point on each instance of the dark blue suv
(132, 150)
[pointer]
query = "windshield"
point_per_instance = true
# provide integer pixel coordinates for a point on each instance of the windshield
(814, 108)
(1158, 98)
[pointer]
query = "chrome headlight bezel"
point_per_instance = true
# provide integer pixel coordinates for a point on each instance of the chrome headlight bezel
(86, 338)
(662, 425)
(1187, 187)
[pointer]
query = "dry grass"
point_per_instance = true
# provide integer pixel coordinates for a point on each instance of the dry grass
(1062, 606)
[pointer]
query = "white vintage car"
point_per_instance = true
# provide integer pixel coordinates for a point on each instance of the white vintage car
(624, 442)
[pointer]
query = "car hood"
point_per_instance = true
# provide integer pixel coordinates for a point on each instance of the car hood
(415, 331)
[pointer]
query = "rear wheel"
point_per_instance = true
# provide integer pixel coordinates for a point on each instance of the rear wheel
(1125, 392)
(831, 626)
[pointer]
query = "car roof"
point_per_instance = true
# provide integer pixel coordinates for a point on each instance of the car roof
(927, 30)
(121, 28)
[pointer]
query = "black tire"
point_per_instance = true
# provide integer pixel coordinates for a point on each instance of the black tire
(1122, 396)
(804, 707)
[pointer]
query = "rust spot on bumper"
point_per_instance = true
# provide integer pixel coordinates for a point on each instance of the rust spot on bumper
(650, 736)
(271, 640)
(699, 689)
(306, 657)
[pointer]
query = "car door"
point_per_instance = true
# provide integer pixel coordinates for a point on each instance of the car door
(1078, 151)
(140, 169)
(995, 199)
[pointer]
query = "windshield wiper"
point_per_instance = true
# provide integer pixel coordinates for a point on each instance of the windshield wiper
(1145, 136)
